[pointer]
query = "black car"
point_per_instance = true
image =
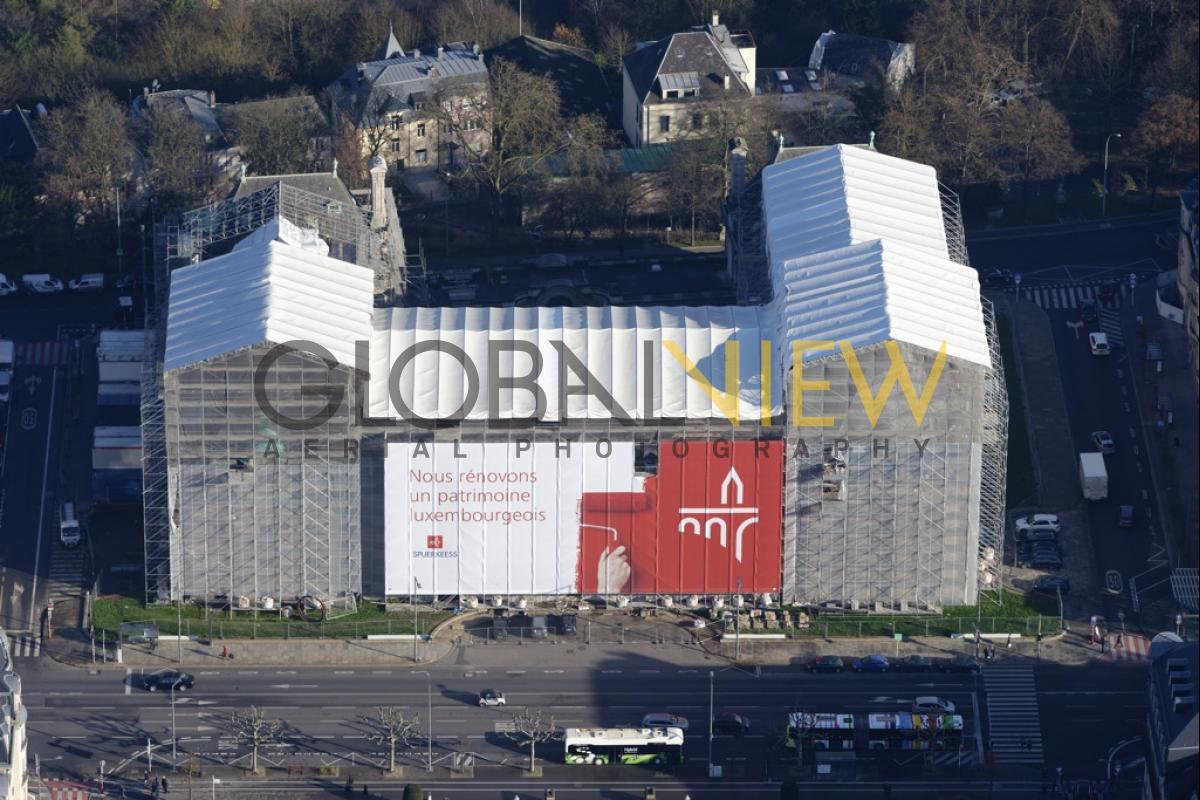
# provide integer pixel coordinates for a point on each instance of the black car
(913, 663)
(1052, 584)
(997, 277)
(959, 663)
(567, 625)
(1089, 311)
(826, 664)
(167, 679)
(500, 628)
(730, 724)
(1107, 291)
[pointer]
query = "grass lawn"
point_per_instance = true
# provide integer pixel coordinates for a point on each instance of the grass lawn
(109, 612)
(1021, 484)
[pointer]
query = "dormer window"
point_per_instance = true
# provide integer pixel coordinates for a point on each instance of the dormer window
(394, 122)
(679, 84)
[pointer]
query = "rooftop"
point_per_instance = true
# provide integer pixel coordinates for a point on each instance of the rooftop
(581, 85)
(405, 79)
(696, 52)
(17, 139)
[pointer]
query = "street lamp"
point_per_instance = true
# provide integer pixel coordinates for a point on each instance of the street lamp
(711, 676)
(1104, 187)
(215, 781)
(174, 735)
(413, 599)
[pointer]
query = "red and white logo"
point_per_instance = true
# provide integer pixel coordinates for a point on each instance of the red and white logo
(719, 518)
(434, 542)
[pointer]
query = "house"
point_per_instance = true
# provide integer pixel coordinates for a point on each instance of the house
(1186, 272)
(855, 60)
(390, 100)
(1172, 726)
(667, 85)
(14, 741)
(18, 142)
(581, 86)
(199, 107)
(300, 110)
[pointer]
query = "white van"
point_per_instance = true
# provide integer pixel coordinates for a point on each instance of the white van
(1099, 343)
(91, 282)
(41, 283)
(932, 705)
(68, 525)
(6, 286)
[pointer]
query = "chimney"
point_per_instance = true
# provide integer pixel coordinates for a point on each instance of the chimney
(145, 91)
(212, 99)
(378, 169)
(737, 167)
(441, 51)
(475, 50)
(727, 83)
(362, 70)
(716, 18)
(416, 52)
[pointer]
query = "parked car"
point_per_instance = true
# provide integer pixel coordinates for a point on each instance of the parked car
(550, 261)
(41, 283)
(1038, 521)
(959, 663)
(825, 664)
(1126, 518)
(567, 625)
(499, 628)
(490, 698)
(538, 629)
(1052, 584)
(91, 282)
(1045, 561)
(662, 719)
(1098, 342)
(1036, 535)
(876, 662)
(1104, 442)
(913, 663)
(1107, 291)
(997, 277)
(1027, 550)
(6, 286)
(166, 679)
(1089, 311)
(730, 724)
(932, 705)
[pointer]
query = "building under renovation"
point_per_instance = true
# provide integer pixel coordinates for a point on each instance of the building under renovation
(688, 451)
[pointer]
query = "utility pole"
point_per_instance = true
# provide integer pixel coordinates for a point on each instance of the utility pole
(174, 735)
(416, 585)
(429, 714)
(178, 637)
(711, 677)
(1104, 188)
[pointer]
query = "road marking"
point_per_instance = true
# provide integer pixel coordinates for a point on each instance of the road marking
(343, 672)
(553, 671)
(1124, 391)
(128, 680)
(1139, 466)
(210, 672)
(381, 672)
(247, 672)
(1127, 406)
(1132, 433)
(649, 671)
(1121, 374)
(285, 672)
(355, 736)
(37, 559)
(1145, 495)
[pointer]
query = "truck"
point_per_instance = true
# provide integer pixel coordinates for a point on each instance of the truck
(1093, 477)
(68, 525)
(7, 357)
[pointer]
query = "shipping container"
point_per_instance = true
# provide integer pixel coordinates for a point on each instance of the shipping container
(121, 346)
(120, 372)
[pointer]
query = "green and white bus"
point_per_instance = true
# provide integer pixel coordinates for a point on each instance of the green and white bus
(623, 745)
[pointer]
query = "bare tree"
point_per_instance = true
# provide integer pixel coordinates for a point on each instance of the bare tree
(177, 162)
(253, 729)
(278, 136)
(391, 729)
(1038, 144)
(90, 155)
(484, 22)
(530, 727)
(694, 181)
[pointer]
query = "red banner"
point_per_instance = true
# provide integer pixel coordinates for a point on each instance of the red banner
(707, 522)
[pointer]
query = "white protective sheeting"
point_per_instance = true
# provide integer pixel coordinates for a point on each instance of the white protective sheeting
(611, 343)
(844, 195)
(869, 293)
(266, 290)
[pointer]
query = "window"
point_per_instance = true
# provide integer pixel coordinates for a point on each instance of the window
(420, 130)
(697, 122)
(670, 94)
(394, 122)
(471, 125)
(691, 92)
(421, 157)
(664, 124)
(395, 145)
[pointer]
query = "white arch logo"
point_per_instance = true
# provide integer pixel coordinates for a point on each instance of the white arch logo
(717, 519)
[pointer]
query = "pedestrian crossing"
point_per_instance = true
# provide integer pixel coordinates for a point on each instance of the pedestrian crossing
(1133, 648)
(66, 573)
(1073, 295)
(43, 354)
(68, 790)
(1013, 716)
(24, 645)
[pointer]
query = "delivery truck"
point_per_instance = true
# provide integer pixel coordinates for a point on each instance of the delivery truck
(1093, 477)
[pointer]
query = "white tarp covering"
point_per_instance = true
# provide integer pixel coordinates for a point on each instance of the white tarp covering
(267, 291)
(844, 195)
(121, 346)
(873, 292)
(626, 349)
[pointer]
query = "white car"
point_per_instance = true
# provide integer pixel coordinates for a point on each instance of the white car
(664, 720)
(490, 698)
(932, 705)
(1099, 343)
(1046, 522)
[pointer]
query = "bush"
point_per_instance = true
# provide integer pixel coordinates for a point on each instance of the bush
(413, 792)
(790, 790)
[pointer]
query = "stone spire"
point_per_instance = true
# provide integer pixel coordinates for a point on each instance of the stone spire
(390, 48)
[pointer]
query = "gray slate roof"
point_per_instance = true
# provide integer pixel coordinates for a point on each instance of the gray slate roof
(691, 51)
(581, 85)
(324, 184)
(419, 74)
(190, 103)
(856, 56)
(17, 140)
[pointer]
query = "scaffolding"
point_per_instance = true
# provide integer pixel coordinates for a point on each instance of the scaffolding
(956, 237)
(221, 523)
(994, 476)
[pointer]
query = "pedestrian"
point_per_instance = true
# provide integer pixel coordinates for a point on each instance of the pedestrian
(349, 786)
(364, 791)
(224, 652)
(1103, 644)
(1119, 641)
(1008, 645)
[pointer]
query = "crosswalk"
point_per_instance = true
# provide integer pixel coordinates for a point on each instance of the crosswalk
(1073, 295)
(24, 645)
(1133, 648)
(1013, 713)
(1110, 323)
(66, 573)
(43, 354)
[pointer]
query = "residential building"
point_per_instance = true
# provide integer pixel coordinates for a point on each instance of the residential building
(1189, 242)
(1172, 728)
(198, 107)
(669, 86)
(855, 61)
(581, 86)
(14, 768)
(392, 101)
(301, 110)
(18, 142)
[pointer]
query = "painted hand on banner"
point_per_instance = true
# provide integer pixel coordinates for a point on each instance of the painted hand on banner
(613, 572)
